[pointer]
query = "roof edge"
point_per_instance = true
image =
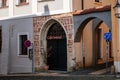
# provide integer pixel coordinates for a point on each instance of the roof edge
(92, 10)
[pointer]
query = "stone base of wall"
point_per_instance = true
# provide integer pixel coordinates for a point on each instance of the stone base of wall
(117, 66)
(41, 69)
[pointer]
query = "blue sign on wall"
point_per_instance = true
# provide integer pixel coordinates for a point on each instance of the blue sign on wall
(108, 36)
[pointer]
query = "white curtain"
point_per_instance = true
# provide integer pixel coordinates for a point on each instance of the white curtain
(17, 2)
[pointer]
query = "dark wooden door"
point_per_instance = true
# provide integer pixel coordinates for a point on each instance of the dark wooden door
(57, 55)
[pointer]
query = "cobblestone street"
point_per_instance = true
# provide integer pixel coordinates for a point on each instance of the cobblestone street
(60, 76)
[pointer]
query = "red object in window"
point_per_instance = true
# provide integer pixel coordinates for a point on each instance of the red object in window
(27, 43)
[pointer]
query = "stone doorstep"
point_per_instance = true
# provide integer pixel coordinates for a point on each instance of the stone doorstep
(102, 71)
(35, 74)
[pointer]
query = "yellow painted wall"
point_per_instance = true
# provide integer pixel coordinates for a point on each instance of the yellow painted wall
(78, 6)
(85, 46)
(89, 4)
(87, 35)
(87, 40)
(104, 29)
(106, 2)
(114, 33)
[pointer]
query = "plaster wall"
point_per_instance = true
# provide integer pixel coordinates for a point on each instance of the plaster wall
(4, 55)
(20, 63)
(10, 60)
(22, 9)
(4, 12)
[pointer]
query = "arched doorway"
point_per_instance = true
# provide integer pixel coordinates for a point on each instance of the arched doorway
(90, 44)
(56, 48)
(99, 46)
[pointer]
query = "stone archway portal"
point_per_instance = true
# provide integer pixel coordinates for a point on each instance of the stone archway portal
(56, 48)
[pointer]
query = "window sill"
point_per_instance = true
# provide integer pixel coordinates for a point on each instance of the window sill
(3, 7)
(98, 3)
(23, 56)
(45, 0)
(22, 4)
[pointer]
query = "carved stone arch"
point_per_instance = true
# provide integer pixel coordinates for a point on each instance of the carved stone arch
(45, 28)
(45, 38)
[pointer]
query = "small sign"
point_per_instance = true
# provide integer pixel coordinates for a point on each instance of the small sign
(30, 54)
(27, 43)
(54, 37)
(108, 36)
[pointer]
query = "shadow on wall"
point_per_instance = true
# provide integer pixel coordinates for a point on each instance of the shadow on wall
(46, 10)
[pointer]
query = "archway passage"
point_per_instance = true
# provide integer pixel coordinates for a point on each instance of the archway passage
(56, 48)
(90, 45)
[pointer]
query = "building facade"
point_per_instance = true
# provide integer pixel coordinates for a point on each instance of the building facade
(64, 35)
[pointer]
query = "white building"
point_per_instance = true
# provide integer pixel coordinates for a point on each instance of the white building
(54, 27)
(16, 25)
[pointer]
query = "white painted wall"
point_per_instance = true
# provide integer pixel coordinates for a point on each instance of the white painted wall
(10, 61)
(5, 48)
(20, 63)
(4, 12)
(54, 7)
(117, 66)
(22, 9)
(35, 7)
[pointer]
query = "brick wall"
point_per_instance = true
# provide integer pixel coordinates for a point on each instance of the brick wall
(66, 22)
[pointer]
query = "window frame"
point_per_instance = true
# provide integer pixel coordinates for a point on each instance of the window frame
(19, 52)
(19, 3)
(45, 0)
(4, 3)
(98, 0)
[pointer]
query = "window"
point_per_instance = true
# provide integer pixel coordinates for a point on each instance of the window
(22, 49)
(21, 2)
(0, 39)
(98, 0)
(3, 3)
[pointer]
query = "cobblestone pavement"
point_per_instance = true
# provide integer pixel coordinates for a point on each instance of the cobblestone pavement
(51, 75)
(56, 76)
(80, 77)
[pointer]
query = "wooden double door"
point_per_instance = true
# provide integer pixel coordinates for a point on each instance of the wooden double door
(57, 54)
